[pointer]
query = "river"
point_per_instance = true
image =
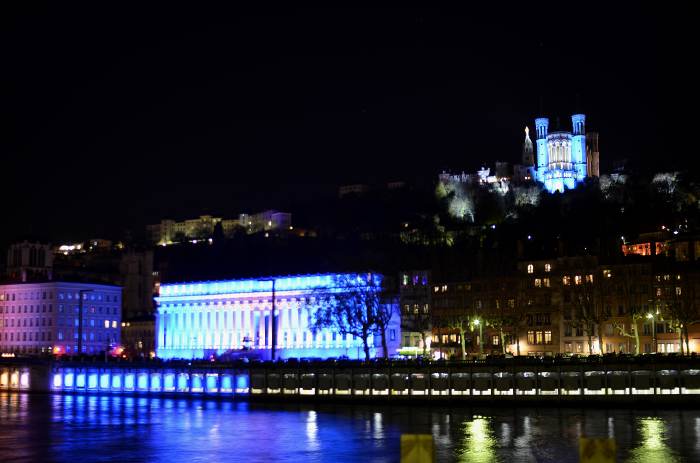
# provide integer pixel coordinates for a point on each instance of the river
(81, 429)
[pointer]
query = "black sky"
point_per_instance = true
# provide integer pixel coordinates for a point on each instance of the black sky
(118, 116)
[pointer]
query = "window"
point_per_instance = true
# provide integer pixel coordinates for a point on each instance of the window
(567, 347)
(547, 337)
(511, 303)
(545, 281)
(589, 278)
(607, 273)
(538, 283)
(530, 268)
(531, 337)
(547, 268)
(567, 330)
(392, 335)
(678, 290)
(577, 279)
(538, 337)
(495, 340)
(106, 323)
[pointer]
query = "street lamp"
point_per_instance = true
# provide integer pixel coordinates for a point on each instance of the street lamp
(653, 330)
(80, 318)
(477, 322)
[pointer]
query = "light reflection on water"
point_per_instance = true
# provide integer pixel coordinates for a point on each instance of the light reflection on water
(113, 428)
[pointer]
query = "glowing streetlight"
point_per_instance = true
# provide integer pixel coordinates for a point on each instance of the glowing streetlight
(652, 317)
(477, 322)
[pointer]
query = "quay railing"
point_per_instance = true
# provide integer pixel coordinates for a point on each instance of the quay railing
(478, 380)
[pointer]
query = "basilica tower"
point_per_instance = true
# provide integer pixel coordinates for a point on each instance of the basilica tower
(578, 145)
(542, 128)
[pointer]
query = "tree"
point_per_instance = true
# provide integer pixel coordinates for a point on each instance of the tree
(588, 300)
(502, 315)
(356, 305)
(456, 321)
(684, 307)
(633, 303)
(417, 320)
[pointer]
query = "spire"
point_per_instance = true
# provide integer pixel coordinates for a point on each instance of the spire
(527, 134)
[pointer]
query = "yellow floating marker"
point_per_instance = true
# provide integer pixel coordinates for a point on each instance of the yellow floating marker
(596, 450)
(417, 448)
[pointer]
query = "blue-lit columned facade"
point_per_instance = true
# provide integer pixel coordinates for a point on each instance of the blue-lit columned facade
(201, 319)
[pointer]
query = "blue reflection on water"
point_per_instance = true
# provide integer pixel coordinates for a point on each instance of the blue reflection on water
(85, 428)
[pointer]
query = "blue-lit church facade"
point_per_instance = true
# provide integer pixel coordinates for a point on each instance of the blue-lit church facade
(200, 319)
(561, 155)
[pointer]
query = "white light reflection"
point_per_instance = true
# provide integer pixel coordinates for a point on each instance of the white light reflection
(652, 445)
(312, 431)
(378, 428)
(479, 443)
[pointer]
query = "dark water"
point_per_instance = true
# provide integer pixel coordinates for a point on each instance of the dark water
(80, 429)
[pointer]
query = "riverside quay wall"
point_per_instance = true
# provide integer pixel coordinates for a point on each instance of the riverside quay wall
(665, 379)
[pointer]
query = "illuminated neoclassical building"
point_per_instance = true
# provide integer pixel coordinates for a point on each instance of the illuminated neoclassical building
(201, 319)
(563, 160)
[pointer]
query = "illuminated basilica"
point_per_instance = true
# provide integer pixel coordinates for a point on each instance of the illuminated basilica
(201, 319)
(564, 158)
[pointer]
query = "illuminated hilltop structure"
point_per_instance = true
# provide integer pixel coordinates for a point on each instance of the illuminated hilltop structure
(563, 159)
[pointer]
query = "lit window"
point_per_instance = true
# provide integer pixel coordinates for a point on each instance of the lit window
(566, 280)
(547, 337)
(530, 268)
(106, 323)
(607, 273)
(538, 283)
(495, 340)
(531, 337)
(538, 339)
(578, 279)
(114, 323)
(589, 278)
(678, 290)
(545, 281)
(547, 267)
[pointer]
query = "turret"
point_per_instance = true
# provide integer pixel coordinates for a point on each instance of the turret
(578, 145)
(542, 128)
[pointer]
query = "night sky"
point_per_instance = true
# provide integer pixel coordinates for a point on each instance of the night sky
(113, 118)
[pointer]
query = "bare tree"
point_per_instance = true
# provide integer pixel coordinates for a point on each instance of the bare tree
(417, 320)
(502, 315)
(588, 300)
(633, 303)
(355, 305)
(684, 306)
(456, 321)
